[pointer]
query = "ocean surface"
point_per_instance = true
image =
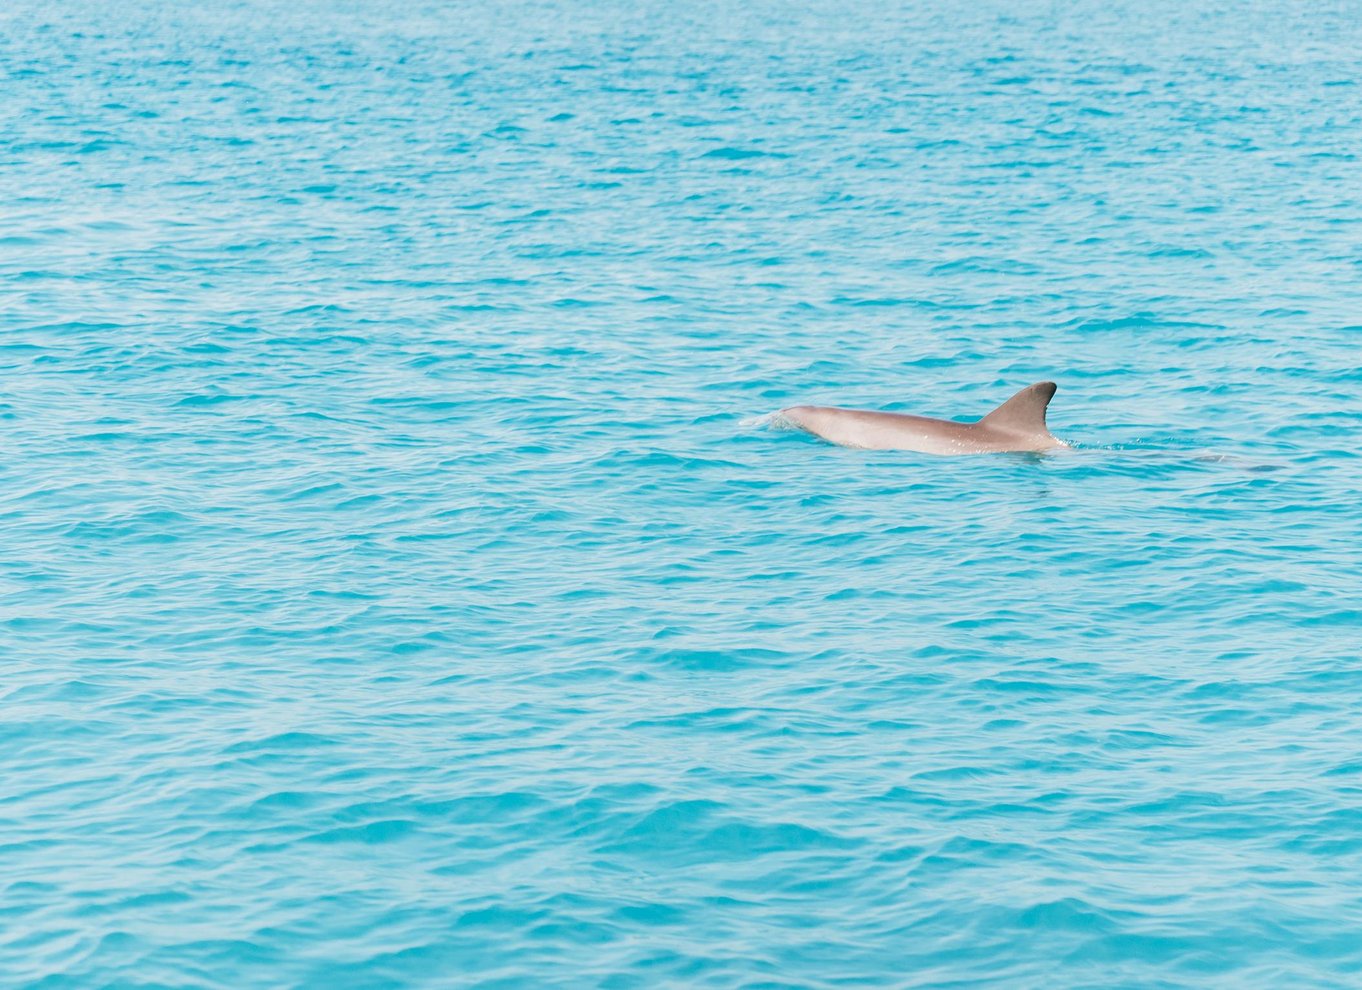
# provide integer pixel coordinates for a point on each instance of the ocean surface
(399, 588)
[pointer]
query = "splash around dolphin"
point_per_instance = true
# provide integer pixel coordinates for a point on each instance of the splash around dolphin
(1017, 425)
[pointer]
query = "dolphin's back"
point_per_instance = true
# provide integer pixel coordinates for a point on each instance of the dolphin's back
(873, 430)
(1017, 425)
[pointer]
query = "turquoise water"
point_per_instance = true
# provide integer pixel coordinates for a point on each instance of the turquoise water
(397, 593)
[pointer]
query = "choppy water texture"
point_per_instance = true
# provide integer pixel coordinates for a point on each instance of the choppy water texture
(393, 596)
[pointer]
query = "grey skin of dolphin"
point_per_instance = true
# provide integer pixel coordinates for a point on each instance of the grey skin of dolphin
(1017, 425)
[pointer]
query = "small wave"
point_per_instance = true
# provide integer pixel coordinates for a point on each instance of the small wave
(769, 421)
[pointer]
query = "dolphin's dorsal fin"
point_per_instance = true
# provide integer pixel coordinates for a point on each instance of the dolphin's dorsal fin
(1025, 411)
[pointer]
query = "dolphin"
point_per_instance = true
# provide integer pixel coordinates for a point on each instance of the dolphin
(1017, 425)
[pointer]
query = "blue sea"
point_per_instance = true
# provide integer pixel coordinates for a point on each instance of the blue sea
(400, 585)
